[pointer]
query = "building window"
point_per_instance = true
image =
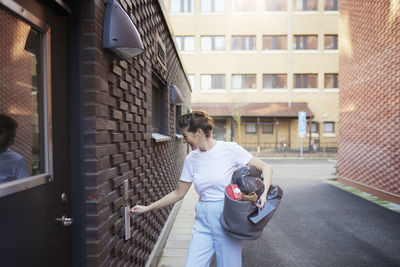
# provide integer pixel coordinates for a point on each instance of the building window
(329, 127)
(331, 5)
(213, 81)
(331, 80)
(213, 43)
(274, 42)
(274, 81)
(275, 5)
(212, 6)
(305, 42)
(244, 5)
(192, 80)
(244, 42)
(251, 128)
(243, 81)
(181, 6)
(314, 127)
(25, 102)
(178, 113)
(158, 107)
(185, 43)
(267, 127)
(305, 5)
(305, 81)
(330, 42)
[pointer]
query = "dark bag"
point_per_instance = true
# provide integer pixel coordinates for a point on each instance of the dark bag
(235, 216)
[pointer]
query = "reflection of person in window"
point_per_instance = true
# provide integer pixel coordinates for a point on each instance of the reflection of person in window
(12, 164)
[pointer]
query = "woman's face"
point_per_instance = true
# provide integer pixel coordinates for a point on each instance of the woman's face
(193, 139)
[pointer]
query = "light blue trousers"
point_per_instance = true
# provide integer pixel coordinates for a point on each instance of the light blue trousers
(208, 237)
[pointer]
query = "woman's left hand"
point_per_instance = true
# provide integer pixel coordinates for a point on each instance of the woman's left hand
(261, 201)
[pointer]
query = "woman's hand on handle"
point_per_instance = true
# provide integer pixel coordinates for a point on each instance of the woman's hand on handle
(267, 173)
(137, 210)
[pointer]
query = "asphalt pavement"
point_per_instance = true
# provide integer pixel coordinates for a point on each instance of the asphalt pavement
(318, 224)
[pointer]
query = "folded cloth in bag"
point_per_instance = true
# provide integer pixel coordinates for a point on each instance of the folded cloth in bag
(235, 216)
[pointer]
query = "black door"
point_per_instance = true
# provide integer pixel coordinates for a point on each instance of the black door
(34, 224)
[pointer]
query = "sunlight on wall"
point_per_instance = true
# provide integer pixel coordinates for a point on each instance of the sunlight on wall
(345, 46)
(394, 10)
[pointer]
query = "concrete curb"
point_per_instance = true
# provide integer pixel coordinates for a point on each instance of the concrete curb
(155, 255)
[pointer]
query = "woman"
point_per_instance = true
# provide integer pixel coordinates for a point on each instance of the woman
(209, 166)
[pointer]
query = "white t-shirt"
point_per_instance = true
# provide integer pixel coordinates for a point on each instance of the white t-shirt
(211, 171)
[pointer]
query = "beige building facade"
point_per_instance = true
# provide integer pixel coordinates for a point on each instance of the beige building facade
(254, 64)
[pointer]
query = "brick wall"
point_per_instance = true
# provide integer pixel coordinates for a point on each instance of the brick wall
(369, 85)
(118, 137)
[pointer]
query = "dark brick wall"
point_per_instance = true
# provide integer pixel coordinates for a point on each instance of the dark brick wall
(369, 84)
(118, 137)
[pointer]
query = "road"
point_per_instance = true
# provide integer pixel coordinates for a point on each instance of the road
(318, 224)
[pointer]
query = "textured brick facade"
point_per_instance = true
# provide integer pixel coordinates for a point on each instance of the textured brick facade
(369, 84)
(118, 136)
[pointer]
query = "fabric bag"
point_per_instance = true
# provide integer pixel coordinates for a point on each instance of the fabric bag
(235, 216)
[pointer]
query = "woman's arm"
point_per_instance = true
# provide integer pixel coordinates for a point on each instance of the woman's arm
(267, 173)
(174, 196)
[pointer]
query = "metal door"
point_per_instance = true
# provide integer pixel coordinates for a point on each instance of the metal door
(34, 224)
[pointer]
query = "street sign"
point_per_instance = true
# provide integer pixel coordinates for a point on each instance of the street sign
(302, 124)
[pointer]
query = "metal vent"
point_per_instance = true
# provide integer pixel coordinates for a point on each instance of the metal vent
(161, 53)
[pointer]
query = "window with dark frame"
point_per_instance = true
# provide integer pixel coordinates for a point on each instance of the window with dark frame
(274, 42)
(305, 42)
(251, 128)
(329, 127)
(305, 5)
(275, 5)
(274, 81)
(305, 80)
(158, 108)
(241, 43)
(331, 42)
(314, 127)
(178, 113)
(267, 127)
(331, 80)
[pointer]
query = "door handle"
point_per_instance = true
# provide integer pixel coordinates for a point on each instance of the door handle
(65, 221)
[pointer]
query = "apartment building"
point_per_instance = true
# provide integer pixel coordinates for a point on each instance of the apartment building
(254, 64)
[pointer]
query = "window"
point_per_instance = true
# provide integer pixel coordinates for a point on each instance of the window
(274, 42)
(314, 127)
(178, 113)
(212, 6)
(267, 127)
(275, 5)
(274, 81)
(243, 81)
(192, 80)
(181, 6)
(244, 5)
(305, 42)
(330, 42)
(251, 128)
(212, 43)
(331, 80)
(185, 43)
(331, 5)
(25, 103)
(329, 127)
(244, 42)
(213, 81)
(158, 107)
(305, 81)
(305, 5)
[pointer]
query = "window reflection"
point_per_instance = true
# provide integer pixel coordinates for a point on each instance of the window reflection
(21, 94)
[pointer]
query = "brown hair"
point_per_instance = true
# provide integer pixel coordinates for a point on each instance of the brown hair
(8, 126)
(197, 120)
